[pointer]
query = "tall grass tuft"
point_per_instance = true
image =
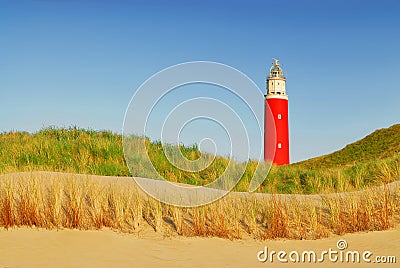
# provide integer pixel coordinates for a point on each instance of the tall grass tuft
(59, 200)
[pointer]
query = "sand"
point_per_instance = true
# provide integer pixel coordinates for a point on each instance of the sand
(30, 247)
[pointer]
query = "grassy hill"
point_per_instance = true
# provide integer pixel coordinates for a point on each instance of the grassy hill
(381, 144)
(99, 153)
(370, 161)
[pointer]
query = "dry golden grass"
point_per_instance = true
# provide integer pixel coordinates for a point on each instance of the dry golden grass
(60, 200)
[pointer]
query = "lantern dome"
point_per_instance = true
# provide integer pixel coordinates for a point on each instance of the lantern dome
(276, 70)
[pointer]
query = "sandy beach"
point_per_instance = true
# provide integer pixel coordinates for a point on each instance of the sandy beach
(30, 247)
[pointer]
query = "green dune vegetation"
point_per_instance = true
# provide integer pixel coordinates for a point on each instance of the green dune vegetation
(369, 162)
(381, 144)
(67, 200)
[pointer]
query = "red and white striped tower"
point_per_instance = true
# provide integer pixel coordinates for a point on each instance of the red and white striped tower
(277, 100)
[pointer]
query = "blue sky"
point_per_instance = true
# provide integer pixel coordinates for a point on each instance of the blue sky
(79, 62)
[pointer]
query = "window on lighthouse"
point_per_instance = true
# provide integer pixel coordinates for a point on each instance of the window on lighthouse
(279, 116)
(279, 146)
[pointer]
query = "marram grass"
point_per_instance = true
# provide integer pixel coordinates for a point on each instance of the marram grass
(59, 200)
(100, 153)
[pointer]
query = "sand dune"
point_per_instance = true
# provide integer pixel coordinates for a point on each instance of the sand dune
(31, 247)
(152, 184)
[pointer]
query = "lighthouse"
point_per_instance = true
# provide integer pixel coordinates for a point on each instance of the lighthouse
(277, 101)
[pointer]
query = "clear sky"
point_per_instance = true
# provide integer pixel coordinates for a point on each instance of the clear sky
(78, 63)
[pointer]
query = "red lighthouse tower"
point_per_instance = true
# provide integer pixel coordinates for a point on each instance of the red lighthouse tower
(277, 100)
